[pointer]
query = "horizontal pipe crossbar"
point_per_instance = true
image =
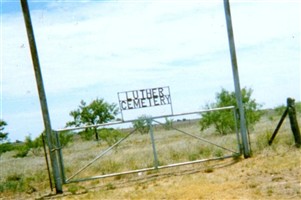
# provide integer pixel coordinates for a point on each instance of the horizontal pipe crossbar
(200, 138)
(130, 121)
(148, 169)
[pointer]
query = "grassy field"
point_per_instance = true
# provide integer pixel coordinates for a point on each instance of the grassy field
(273, 172)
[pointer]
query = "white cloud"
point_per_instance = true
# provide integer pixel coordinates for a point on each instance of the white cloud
(96, 49)
(256, 22)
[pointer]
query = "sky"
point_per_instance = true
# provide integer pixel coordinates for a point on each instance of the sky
(95, 49)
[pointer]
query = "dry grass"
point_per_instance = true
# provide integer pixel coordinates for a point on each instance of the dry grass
(273, 172)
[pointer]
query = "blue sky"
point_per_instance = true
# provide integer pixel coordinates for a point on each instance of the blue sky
(91, 49)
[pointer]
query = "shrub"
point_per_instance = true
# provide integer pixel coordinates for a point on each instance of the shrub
(29, 145)
(65, 138)
(262, 140)
(110, 136)
(35, 145)
(141, 124)
(223, 120)
(86, 134)
(73, 188)
(280, 110)
(13, 183)
(3, 135)
(6, 147)
(22, 151)
(168, 123)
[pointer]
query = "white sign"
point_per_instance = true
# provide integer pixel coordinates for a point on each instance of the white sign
(144, 98)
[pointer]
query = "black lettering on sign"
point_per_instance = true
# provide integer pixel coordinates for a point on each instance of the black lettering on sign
(144, 98)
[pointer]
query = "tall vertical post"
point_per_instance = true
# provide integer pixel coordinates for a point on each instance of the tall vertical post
(42, 96)
(151, 132)
(243, 126)
(293, 121)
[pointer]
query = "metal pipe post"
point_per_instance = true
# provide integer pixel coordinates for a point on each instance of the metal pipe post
(47, 163)
(60, 157)
(236, 130)
(243, 126)
(42, 95)
(151, 132)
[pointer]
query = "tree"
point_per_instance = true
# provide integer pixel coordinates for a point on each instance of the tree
(3, 135)
(97, 112)
(4, 144)
(223, 121)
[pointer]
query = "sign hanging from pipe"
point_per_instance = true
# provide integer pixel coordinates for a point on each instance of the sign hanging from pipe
(144, 98)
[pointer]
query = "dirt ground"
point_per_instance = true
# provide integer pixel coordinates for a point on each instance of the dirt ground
(273, 174)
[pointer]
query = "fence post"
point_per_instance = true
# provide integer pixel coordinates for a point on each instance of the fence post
(242, 119)
(42, 96)
(278, 126)
(151, 132)
(293, 121)
(60, 157)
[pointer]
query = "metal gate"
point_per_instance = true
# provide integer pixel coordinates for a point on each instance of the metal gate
(234, 150)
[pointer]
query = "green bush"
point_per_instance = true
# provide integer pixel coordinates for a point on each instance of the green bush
(35, 145)
(110, 136)
(168, 123)
(65, 137)
(87, 134)
(6, 147)
(223, 120)
(280, 110)
(3, 135)
(29, 144)
(73, 188)
(141, 124)
(262, 140)
(13, 183)
(22, 151)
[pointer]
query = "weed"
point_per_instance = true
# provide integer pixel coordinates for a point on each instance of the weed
(253, 185)
(168, 124)
(270, 191)
(262, 140)
(236, 156)
(132, 163)
(73, 188)
(277, 179)
(208, 169)
(13, 183)
(193, 156)
(30, 189)
(205, 151)
(110, 186)
(218, 153)
(118, 177)
(14, 177)
(174, 155)
(108, 166)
